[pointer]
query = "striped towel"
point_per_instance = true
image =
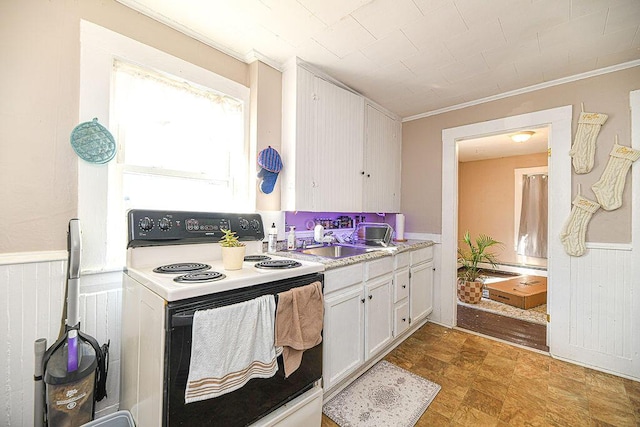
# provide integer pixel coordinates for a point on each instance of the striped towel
(229, 346)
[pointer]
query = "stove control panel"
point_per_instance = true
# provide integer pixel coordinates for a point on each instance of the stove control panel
(154, 227)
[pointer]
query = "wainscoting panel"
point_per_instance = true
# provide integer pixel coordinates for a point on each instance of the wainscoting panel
(602, 312)
(31, 306)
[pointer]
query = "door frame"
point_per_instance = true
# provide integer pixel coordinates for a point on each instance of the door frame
(558, 267)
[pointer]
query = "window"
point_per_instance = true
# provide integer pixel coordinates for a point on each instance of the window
(182, 135)
(178, 142)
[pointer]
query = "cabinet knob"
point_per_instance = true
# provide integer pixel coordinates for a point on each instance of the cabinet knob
(362, 300)
(368, 175)
(404, 319)
(404, 286)
(370, 296)
(362, 173)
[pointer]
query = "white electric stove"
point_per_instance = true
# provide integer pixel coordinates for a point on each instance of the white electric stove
(174, 268)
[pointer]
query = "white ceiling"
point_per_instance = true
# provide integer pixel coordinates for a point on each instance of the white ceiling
(418, 56)
(498, 146)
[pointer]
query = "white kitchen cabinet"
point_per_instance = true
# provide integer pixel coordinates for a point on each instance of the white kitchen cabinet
(357, 317)
(343, 346)
(322, 144)
(340, 137)
(377, 315)
(421, 284)
(340, 153)
(401, 318)
(382, 162)
(401, 287)
(298, 138)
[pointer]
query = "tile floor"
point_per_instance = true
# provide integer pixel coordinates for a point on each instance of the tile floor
(489, 383)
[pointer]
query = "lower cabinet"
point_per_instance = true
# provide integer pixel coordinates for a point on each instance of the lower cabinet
(357, 318)
(368, 305)
(343, 346)
(377, 315)
(421, 300)
(421, 284)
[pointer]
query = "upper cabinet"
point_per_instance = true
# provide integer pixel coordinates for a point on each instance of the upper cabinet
(339, 155)
(337, 182)
(382, 162)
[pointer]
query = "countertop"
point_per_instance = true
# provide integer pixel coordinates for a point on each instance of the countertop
(331, 263)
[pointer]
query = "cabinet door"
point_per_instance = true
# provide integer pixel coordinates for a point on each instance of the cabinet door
(340, 139)
(400, 284)
(298, 138)
(382, 150)
(400, 318)
(343, 334)
(421, 291)
(377, 315)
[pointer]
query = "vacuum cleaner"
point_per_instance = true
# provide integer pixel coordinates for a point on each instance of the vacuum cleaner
(71, 375)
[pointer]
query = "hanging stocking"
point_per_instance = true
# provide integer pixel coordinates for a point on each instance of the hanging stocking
(583, 149)
(575, 229)
(609, 189)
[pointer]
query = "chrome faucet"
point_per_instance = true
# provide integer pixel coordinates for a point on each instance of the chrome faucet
(321, 237)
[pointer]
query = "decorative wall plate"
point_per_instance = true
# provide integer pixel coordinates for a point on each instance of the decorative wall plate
(93, 142)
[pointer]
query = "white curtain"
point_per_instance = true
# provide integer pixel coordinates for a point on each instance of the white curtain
(532, 234)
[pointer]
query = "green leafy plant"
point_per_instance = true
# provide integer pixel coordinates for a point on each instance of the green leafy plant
(229, 239)
(473, 254)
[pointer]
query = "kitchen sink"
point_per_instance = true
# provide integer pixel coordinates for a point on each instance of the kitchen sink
(335, 251)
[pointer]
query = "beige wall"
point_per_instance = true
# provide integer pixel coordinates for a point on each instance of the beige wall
(39, 87)
(266, 119)
(486, 198)
(422, 148)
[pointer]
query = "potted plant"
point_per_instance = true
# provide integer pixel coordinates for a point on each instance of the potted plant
(232, 250)
(469, 282)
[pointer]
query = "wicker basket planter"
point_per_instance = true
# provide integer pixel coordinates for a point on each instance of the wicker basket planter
(470, 292)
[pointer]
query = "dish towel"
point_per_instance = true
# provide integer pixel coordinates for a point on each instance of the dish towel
(229, 346)
(299, 318)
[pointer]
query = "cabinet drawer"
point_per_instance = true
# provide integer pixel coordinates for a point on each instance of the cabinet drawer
(400, 318)
(378, 267)
(402, 260)
(400, 284)
(421, 255)
(341, 278)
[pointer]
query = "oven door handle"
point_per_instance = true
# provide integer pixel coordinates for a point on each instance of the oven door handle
(182, 319)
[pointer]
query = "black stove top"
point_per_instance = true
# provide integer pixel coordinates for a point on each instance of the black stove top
(276, 264)
(183, 267)
(200, 277)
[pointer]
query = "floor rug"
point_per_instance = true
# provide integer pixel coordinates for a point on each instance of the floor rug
(385, 395)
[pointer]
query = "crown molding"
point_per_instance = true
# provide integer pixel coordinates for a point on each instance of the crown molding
(576, 77)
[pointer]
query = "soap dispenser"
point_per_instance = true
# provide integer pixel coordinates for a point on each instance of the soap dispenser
(291, 239)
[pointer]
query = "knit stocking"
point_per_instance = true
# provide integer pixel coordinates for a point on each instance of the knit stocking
(583, 149)
(609, 189)
(575, 229)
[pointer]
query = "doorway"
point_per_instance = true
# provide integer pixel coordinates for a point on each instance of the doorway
(495, 176)
(559, 122)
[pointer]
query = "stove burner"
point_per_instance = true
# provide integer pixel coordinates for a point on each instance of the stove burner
(274, 264)
(183, 267)
(255, 258)
(200, 277)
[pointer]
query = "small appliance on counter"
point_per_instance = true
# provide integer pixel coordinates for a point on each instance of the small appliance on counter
(372, 234)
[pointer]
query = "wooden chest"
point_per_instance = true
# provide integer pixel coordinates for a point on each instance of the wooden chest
(523, 292)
